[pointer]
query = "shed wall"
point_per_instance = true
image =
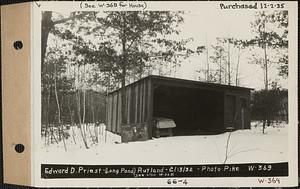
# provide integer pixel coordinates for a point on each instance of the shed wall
(139, 98)
(137, 102)
(237, 113)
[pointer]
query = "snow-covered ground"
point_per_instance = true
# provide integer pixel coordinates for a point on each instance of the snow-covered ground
(244, 146)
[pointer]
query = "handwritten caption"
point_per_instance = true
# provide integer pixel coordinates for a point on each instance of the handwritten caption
(177, 181)
(269, 180)
(252, 5)
(135, 5)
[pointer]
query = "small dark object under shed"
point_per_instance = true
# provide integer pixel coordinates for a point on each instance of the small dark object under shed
(196, 107)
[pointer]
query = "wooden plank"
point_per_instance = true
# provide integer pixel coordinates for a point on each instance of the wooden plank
(119, 120)
(136, 103)
(144, 101)
(132, 104)
(109, 113)
(114, 111)
(140, 103)
(106, 110)
(128, 104)
(224, 110)
(117, 110)
(150, 107)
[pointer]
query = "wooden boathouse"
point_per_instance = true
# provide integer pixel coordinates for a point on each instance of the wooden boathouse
(196, 107)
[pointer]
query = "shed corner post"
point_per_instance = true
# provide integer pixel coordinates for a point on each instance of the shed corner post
(150, 107)
(106, 110)
(248, 110)
(224, 110)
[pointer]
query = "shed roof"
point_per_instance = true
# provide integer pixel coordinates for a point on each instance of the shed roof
(185, 82)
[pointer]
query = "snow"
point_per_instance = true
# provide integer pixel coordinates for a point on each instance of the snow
(244, 146)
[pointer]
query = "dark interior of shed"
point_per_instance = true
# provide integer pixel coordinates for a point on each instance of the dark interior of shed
(195, 111)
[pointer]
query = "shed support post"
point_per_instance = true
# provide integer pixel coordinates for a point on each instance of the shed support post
(150, 108)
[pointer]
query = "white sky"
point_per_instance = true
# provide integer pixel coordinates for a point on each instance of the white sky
(234, 24)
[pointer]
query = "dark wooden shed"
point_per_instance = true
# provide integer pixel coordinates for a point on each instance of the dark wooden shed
(196, 107)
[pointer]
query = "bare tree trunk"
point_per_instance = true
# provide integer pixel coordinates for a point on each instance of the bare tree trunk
(93, 116)
(47, 25)
(225, 73)
(264, 125)
(47, 118)
(207, 62)
(237, 68)
(124, 63)
(58, 108)
(83, 116)
(268, 121)
(84, 94)
(141, 69)
(266, 68)
(220, 70)
(266, 60)
(52, 135)
(79, 119)
(56, 95)
(71, 119)
(123, 95)
(229, 76)
(70, 111)
(79, 112)
(160, 72)
(175, 69)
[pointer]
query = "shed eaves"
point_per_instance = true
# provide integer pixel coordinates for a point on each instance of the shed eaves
(185, 81)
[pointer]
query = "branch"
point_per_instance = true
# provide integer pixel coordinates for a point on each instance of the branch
(71, 18)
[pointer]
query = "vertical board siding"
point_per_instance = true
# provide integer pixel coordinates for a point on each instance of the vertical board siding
(132, 105)
(114, 112)
(136, 103)
(106, 111)
(150, 107)
(146, 102)
(248, 113)
(143, 101)
(230, 110)
(139, 107)
(128, 104)
(140, 102)
(119, 110)
(109, 112)
(227, 119)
